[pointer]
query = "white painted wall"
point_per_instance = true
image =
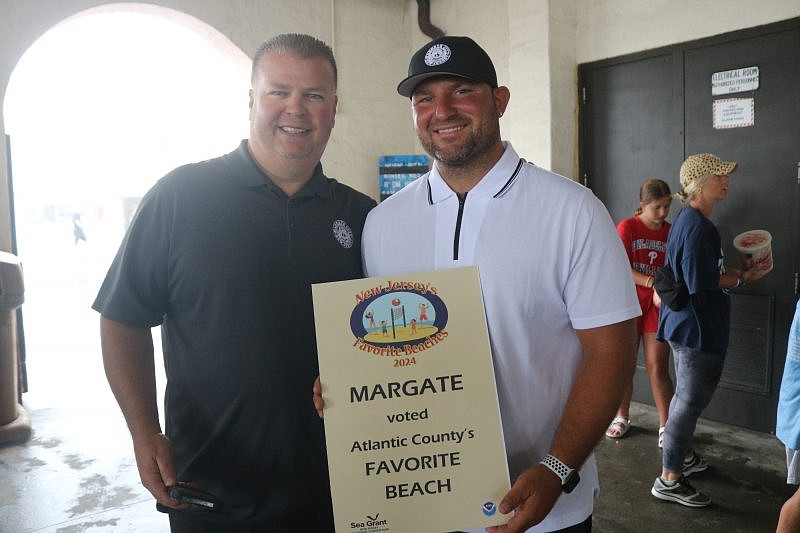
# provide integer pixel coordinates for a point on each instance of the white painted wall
(372, 40)
(563, 88)
(528, 118)
(609, 28)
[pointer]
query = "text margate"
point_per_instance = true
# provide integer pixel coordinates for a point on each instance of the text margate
(411, 387)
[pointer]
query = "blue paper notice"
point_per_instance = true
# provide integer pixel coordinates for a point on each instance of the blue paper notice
(397, 171)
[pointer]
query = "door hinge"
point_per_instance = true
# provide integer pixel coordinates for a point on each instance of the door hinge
(583, 98)
(796, 283)
(798, 173)
(586, 180)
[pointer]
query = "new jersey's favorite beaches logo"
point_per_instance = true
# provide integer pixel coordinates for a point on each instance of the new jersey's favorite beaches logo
(399, 318)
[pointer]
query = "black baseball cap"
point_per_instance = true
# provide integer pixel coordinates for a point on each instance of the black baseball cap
(449, 56)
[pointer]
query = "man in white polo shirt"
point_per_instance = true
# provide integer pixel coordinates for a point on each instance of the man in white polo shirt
(556, 281)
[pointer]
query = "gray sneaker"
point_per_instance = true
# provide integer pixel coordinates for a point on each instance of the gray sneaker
(695, 464)
(679, 491)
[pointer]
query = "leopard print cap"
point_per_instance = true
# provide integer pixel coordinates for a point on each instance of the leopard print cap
(699, 165)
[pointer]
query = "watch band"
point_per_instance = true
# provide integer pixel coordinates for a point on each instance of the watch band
(557, 466)
(569, 476)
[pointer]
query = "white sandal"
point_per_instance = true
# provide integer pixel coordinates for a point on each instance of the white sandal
(618, 427)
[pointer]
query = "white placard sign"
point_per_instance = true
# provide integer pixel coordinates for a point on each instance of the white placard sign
(734, 81)
(412, 421)
(733, 113)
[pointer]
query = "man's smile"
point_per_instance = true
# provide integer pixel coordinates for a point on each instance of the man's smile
(293, 130)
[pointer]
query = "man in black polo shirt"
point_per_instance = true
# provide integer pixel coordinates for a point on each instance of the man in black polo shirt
(222, 255)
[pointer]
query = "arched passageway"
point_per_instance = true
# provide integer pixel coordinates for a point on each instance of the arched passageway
(97, 110)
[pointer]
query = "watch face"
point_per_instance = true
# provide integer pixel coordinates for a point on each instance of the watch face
(571, 482)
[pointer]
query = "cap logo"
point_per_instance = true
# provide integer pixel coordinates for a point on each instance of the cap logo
(437, 54)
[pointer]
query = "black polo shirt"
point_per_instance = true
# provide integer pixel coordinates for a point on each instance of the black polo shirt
(223, 260)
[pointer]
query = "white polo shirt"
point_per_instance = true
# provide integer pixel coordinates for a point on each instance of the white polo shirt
(550, 262)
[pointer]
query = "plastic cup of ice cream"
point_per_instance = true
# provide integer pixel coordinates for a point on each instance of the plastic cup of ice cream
(755, 250)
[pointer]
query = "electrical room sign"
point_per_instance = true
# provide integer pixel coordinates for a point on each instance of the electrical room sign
(734, 81)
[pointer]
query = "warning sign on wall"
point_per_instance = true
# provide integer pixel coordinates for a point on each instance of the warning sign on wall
(733, 113)
(734, 81)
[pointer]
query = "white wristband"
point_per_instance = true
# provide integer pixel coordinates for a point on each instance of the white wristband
(557, 466)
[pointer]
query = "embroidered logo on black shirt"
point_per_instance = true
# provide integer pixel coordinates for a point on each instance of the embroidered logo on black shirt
(343, 233)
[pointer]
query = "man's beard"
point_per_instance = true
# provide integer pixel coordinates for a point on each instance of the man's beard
(478, 143)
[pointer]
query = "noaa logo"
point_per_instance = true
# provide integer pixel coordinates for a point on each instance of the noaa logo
(437, 54)
(489, 508)
(343, 233)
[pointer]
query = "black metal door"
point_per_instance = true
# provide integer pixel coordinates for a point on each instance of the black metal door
(642, 114)
(632, 130)
(762, 195)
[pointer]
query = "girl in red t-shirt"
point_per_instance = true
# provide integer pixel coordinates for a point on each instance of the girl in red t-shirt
(644, 236)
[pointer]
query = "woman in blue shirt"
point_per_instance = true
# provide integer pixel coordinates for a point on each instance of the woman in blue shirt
(698, 332)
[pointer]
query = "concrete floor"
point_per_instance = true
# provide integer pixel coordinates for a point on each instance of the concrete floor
(77, 474)
(746, 481)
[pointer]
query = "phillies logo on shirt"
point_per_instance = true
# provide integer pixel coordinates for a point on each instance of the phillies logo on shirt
(398, 319)
(648, 255)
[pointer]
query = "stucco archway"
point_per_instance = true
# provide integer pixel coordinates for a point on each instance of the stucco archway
(101, 176)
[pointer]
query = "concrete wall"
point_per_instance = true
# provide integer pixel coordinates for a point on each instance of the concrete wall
(536, 46)
(372, 40)
(609, 28)
(528, 118)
